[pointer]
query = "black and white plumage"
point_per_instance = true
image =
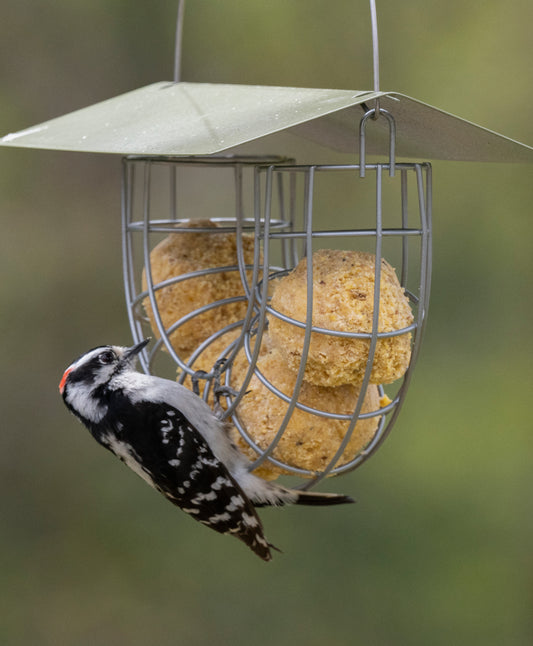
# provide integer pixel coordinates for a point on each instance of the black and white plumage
(172, 439)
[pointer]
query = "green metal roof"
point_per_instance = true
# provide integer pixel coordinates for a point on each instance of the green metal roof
(203, 118)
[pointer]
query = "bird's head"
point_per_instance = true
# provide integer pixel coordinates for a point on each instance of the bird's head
(84, 381)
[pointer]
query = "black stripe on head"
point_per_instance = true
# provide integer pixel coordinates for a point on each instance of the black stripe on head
(94, 367)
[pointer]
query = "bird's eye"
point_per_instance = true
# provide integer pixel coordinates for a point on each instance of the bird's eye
(106, 357)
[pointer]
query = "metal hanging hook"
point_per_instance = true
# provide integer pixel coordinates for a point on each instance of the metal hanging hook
(392, 141)
(178, 42)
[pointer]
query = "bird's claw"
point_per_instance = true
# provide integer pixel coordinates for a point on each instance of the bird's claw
(195, 378)
(220, 390)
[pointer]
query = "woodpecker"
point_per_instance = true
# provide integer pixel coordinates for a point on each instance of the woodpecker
(171, 438)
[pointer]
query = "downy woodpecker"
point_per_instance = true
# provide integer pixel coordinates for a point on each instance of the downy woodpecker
(172, 439)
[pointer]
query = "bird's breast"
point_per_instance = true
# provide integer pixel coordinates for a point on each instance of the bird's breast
(127, 454)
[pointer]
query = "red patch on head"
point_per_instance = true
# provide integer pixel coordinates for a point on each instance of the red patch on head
(63, 380)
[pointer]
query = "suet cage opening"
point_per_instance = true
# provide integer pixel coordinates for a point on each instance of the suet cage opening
(269, 215)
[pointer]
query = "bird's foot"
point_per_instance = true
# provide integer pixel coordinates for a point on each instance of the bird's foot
(221, 390)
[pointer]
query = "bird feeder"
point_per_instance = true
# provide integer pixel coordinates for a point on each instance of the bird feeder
(300, 325)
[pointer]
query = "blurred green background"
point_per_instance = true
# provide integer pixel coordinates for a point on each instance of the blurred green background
(438, 549)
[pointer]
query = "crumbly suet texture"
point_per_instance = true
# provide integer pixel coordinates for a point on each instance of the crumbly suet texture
(184, 252)
(343, 300)
(309, 441)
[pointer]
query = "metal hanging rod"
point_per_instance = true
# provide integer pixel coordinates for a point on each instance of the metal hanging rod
(375, 53)
(179, 41)
(375, 48)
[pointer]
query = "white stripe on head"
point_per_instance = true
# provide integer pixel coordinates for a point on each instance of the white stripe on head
(87, 357)
(82, 401)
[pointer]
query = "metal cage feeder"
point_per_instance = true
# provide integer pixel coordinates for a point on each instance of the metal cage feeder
(274, 201)
(174, 138)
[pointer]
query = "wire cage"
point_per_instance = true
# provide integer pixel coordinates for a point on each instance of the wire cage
(214, 317)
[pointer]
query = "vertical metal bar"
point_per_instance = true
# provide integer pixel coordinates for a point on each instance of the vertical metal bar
(179, 41)
(127, 253)
(429, 224)
(426, 259)
(305, 213)
(375, 53)
(239, 215)
(392, 143)
(128, 265)
(148, 267)
(405, 220)
(362, 146)
(293, 246)
(173, 170)
(283, 242)
(146, 251)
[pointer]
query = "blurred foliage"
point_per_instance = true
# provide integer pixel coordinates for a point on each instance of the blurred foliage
(438, 549)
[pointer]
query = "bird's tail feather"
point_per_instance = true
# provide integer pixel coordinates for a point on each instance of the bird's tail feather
(280, 496)
(312, 498)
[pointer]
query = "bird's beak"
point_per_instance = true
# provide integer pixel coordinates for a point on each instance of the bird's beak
(135, 349)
